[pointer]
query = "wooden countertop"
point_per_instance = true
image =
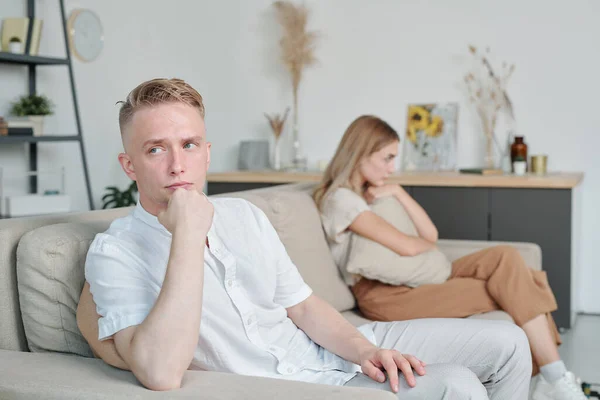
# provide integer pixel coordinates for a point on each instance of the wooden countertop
(552, 180)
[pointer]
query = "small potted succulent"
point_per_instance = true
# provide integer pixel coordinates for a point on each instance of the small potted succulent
(519, 165)
(30, 112)
(15, 46)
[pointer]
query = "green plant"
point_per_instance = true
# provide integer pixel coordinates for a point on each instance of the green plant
(115, 198)
(32, 105)
(15, 39)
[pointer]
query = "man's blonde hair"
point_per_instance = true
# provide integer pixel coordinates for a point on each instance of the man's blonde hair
(156, 92)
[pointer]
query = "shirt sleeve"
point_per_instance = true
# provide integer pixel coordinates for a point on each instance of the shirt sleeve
(119, 285)
(291, 288)
(339, 210)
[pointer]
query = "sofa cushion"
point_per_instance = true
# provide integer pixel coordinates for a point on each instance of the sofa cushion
(61, 377)
(12, 336)
(50, 276)
(295, 217)
(375, 261)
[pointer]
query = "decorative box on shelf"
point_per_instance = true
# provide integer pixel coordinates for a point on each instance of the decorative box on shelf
(49, 201)
(36, 204)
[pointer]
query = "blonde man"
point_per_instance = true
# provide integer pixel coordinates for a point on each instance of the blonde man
(184, 282)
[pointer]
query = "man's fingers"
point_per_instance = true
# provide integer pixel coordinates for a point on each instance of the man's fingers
(416, 364)
(392, 370)
(406, 369)
(373, 372)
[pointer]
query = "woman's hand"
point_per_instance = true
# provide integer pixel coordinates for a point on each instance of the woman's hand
(376, 192)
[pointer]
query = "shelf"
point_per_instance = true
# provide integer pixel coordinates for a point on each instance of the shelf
(36, 139)
(22, 59)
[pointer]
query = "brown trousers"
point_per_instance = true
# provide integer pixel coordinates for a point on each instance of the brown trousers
(491, 279)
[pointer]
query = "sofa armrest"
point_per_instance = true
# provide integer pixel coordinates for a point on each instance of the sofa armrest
(57, 376)
(454, 249)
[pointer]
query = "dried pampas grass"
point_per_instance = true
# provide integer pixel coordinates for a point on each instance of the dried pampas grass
(277, 122)
(297, 44)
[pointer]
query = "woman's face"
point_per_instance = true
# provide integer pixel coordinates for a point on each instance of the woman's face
(377, 167)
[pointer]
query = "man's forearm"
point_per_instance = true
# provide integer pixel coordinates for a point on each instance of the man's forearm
(167, 338)
(326, 327)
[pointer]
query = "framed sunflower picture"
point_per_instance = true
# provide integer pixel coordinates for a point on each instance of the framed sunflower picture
(430, 142)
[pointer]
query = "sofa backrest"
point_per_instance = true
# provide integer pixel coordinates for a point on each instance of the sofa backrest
(50, 259)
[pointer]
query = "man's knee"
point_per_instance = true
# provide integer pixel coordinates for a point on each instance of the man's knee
(514, 346)
(452, 381)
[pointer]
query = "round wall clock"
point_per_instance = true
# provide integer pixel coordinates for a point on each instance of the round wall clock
(86, 37)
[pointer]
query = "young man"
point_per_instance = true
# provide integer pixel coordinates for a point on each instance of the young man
(184, 282)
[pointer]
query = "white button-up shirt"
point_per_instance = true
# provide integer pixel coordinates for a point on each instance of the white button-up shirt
(249, 281)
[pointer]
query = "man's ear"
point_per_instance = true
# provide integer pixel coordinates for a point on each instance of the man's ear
(208, 144)
(127, 166)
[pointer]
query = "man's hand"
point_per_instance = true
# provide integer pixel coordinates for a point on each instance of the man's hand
(375, 359)
(189, 209)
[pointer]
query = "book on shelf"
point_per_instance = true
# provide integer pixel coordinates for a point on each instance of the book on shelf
(481, 171)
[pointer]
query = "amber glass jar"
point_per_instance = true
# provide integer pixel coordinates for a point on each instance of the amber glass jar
(518, 150)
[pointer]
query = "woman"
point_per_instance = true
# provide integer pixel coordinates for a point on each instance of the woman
(491, 279)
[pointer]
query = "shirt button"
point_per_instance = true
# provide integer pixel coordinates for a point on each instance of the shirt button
(230, 283)
(290, 370)
(249, 320)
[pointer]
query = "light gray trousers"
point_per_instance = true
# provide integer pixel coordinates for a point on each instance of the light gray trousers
(466, 359)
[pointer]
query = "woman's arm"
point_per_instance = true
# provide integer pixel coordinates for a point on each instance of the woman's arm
(423, 223)
(417, 214)
(372, 226)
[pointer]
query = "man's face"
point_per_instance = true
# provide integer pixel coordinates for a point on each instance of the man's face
(165, 148)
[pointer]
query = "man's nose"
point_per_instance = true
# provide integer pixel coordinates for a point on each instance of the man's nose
(177, 166)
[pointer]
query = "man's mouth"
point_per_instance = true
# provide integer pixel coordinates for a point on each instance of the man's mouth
(185, 185)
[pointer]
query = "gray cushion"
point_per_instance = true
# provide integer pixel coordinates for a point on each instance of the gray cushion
(50, 276)
(12, 336)
(375, 261)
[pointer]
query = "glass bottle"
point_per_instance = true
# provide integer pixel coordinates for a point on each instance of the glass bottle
(518, 150)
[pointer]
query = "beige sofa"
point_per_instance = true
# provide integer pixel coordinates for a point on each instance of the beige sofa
(43, 355)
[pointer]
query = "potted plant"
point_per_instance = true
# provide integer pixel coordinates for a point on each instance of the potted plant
(520, 165)
(30, 112)
(115, 198)
(14, 45)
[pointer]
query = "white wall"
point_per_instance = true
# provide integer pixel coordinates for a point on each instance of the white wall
(375, 57)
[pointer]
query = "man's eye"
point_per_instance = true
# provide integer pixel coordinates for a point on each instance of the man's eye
(189, 145)
(155, 150)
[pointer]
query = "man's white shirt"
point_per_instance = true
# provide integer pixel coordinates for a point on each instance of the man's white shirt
(249, 281)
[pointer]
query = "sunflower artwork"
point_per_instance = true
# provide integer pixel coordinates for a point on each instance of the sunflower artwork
(430, 143)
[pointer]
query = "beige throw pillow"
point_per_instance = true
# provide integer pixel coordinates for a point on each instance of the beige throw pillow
(375, 261)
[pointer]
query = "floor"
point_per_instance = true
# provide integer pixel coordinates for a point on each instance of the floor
(581, 348)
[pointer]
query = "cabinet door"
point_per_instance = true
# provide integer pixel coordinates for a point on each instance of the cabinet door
(458, 213)
(229, 187)
(541, 216)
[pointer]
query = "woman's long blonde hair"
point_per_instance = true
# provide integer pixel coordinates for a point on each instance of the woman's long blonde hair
(365, 135)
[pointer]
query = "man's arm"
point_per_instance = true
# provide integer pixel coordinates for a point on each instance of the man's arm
(326, 327)
(160, 349)
(87, 321)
